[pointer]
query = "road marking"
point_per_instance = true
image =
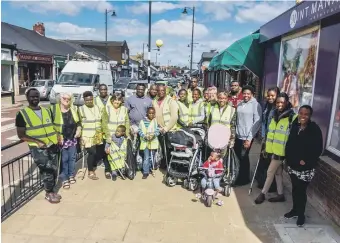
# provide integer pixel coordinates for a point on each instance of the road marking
(7, 127)
(4, 119)
(13, 138)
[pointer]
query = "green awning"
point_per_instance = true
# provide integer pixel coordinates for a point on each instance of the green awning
(244, 54)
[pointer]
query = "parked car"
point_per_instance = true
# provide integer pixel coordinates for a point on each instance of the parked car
(131, 88)
(44, 86)
(120, 88)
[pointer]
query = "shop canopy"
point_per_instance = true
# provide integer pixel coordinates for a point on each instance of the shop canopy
(244, 54)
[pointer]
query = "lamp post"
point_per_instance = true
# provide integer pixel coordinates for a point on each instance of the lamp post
(113, 15)
(149, 42)
(157, 54)
(185, 11)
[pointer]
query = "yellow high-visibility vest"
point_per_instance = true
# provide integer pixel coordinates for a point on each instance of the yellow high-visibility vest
(91, 121)
(183, 113)
(195, 111)
(166, 109)
(98, 102)
(116, 118)
(154, 143)
(277, 136)
(117, 155)
(224, 117)
(39, 128)
(58, 120)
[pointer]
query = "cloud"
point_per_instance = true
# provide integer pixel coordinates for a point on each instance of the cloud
(71, 8)
(157, 7)
(262, 12)
(180, 28)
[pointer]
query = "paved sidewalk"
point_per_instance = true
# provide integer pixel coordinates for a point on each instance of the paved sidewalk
(6, 102)
(147, 211)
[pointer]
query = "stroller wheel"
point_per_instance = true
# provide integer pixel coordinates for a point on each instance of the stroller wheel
(227, 190)
(186, 184)
(209, 200)
(193, 184)
(171, 181)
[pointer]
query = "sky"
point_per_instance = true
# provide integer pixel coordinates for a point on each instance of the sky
(217, 23)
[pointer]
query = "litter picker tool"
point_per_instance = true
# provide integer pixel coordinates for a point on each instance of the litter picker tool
(252, 181)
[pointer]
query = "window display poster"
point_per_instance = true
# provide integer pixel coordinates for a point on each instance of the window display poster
(335, 129)
(297, 68)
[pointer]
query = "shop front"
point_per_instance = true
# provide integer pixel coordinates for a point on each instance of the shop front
(33, 66)
(7, 69)
(59, 63)
(302, 58)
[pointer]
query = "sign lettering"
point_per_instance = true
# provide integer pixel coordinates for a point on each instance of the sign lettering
(34, 58)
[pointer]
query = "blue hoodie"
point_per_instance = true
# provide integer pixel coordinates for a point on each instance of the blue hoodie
(248, 119)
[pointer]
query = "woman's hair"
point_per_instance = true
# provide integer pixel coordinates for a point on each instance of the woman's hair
(248, 87)
(286, 97)
(116, 97)
(183, 90)
(87, 94)
(69, 95)
(205, 90)
(308, 107)
(197, 90)
(275, 89)
(222, 93)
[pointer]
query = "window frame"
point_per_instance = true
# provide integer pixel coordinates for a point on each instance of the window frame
(334, 109)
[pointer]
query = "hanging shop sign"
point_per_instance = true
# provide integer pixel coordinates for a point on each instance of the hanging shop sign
(28, 57)
(303, 14)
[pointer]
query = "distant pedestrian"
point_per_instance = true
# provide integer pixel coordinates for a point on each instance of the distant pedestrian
(34, 125)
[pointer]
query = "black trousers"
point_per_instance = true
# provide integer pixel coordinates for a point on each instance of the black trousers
(94, 155)
(243, 155)
(47, 163)
(299, 194)
(163, 139)
(103, 156)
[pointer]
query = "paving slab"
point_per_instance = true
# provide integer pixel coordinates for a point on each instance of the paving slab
(147, 211)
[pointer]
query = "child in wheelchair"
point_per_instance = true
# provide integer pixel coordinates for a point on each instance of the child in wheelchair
(148, 132)
(117, 152)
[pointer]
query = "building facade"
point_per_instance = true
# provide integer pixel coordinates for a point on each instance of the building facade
(302, 58)
(8, 68)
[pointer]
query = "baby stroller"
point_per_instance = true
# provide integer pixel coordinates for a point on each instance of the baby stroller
(186, 147)
(218, 139)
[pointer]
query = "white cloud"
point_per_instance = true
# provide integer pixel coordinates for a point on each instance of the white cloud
(262, 12)
(157, 7)
(180, 28)
(71, 8)
(65, 28)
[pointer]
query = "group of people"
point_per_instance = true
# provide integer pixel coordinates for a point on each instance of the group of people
(104, 123)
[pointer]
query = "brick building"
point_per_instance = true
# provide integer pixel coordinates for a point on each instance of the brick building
(117, 50)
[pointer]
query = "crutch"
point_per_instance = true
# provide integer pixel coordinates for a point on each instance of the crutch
(252, 181)
(82, 166)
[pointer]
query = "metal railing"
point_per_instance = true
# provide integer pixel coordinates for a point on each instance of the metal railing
(20, 181)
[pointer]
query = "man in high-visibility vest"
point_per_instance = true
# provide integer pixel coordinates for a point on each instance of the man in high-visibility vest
(92, 135)
(193, 86)
(34, 125)
(103, 98)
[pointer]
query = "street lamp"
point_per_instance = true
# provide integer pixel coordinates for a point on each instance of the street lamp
(113, 14)
(185, 11)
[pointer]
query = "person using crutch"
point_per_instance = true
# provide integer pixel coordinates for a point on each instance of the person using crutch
(148, 132)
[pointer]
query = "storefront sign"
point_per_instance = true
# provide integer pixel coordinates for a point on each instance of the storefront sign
(301, 15)
(6, 54)
(27, 57)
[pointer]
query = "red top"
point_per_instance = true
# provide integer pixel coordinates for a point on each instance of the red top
(214, 165)
(235, 100)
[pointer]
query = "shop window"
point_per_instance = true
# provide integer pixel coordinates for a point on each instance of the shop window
(298, 65)
(333, 142)
(6, 78)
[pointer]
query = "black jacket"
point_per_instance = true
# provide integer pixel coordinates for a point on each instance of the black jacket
(306, 145)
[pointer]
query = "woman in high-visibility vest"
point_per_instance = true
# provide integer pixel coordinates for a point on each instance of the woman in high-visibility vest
(223, 113)
(148, 132)
(114, 115)
(196, 108)
(183, 109)
(277, 135)
(211, 102)
(67, 125)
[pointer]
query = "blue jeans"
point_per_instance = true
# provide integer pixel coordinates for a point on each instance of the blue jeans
(216, 183)
(68, 160)
(147, 163)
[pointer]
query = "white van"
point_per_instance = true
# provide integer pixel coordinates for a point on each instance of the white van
(79, 76)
